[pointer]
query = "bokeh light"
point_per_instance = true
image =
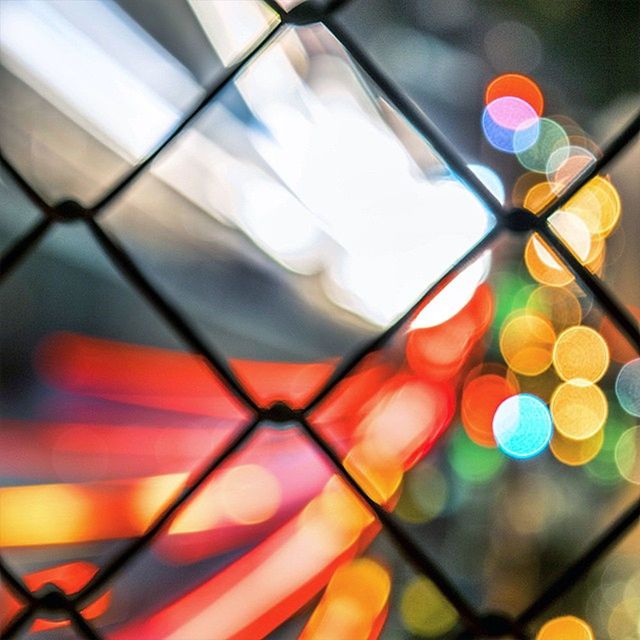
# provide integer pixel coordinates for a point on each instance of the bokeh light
(598, 203)
(603, 469)
(581, 352)
(575, 232)
(424, 494)
(542, 264)
(425, 611)
(512, 113)
(481, 397)
(575, 453)
(572, 225)
(526, 343)
(579, 409)
(628, 387)
(566, 628)
(510, 125)
(538, 196)
(518, 86)
(551, 139)
(471, 462)
(352, 604)
(33, 515)
(250, 494)
(627, 455)
(490, 179)
(522, 426)
(566, 164)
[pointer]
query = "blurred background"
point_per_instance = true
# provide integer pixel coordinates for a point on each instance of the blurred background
(295, 218)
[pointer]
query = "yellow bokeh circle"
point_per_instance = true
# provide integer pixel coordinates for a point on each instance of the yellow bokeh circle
(598, 204)
(526, 343)
(543, 266)
(575, 453)
(581, 352)
(539, 196)
(579, 409)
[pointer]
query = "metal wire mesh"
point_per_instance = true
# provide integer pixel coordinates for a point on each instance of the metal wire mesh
(50, 599)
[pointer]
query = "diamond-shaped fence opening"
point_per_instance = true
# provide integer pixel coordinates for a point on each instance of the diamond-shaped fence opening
(323, 448)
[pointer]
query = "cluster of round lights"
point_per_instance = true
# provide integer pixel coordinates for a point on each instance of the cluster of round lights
(584, 223)
(512, 118)
(548, 394)
(513, 123)
(553, 151)
(545, 347)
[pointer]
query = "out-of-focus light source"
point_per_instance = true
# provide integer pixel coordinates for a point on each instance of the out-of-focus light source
(517, 86)
(522, 426)
(526, 343)
(579, 409)
(455, 295)
(542, 264)
(490, 179)
(581, 352)
(424, 494)
(422, 410)
(481, 397)
(628, 387)
(57, 514)
(551, 138)
(513, 45)
(505, 117)
(353, 604)
(566, 628)
(473, 463)
(576, 452)
(627, 454)
(538, 196)
(425, 611)
(566, 164)
(597, 204)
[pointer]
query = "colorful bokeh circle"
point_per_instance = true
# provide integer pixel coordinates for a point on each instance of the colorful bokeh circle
(522, 426)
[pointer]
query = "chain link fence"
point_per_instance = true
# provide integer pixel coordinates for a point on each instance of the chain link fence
(477, 624)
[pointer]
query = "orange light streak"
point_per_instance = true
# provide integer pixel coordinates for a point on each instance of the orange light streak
(354, 604)
(254, 594)
(66, 513)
